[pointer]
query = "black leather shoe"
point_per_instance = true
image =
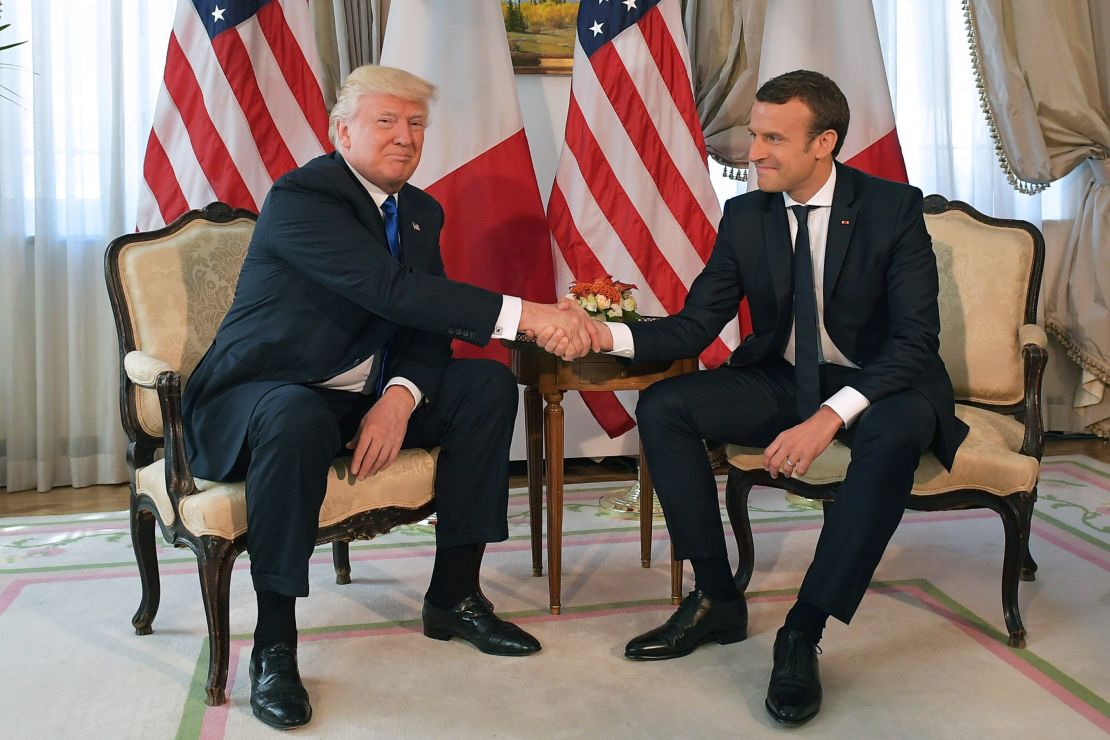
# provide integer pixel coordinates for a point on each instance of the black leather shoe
(697, 620)
(278, 697)
(794, 694)
(473, 620)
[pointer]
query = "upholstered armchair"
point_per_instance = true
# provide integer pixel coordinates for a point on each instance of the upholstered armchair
(990, 275)
(169, 290)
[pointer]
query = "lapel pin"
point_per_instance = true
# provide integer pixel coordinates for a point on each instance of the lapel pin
(416, 226)
(843, 223)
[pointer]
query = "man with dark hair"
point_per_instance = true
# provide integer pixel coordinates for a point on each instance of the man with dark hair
(841, 280)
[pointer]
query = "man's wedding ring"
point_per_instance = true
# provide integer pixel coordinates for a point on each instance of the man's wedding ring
(790, 462)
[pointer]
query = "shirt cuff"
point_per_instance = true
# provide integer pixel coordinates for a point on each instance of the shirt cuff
(622, 340)
(416, 394)
(848, 403)
(508, 321)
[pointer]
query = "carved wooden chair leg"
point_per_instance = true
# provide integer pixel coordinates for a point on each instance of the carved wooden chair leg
(1015, 550)
(1028, 565)
(215, 560)
(142, 541)
(341, 559)
(737, 488)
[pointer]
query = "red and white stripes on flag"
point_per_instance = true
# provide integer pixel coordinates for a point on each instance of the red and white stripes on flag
(843, 45)
(240, 105)
(632, 196)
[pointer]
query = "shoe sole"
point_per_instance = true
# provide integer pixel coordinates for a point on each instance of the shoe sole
(444, 635)
(788, 722)
(721, 638)
(276, 726)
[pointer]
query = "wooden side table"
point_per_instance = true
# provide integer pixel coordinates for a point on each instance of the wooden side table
(544, 375)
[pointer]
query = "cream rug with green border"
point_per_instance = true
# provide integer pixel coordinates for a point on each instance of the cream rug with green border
(925, 656)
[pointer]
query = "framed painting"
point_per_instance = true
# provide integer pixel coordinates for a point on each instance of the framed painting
(541, 34)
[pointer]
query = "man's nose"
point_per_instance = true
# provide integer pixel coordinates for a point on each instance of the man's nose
(755, 151)
(402, 134)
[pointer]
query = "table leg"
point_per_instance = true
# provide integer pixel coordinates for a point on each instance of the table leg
(676, 579)
(553, 438)
(533, 431)
(647, 505)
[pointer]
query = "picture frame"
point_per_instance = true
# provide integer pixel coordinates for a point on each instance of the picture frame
(541, 35)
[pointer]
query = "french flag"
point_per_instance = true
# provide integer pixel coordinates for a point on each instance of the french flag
(843, 45)
(476, 161)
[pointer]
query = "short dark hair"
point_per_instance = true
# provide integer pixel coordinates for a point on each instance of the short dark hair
(820, 94)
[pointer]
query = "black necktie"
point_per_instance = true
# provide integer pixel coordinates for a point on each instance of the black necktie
(806, 376)
(389, 215)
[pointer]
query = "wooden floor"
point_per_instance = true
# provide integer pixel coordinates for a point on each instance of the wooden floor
(115, 498)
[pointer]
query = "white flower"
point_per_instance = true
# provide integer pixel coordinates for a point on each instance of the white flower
(629, 304)
(602, 302)
(615, 311)
(591, 304)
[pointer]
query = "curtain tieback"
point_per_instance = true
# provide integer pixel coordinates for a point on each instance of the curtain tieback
(1101, 170)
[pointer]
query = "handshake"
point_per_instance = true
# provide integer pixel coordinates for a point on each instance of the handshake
(564, 329)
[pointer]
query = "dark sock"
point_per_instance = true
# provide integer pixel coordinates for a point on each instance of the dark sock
(277, 619)
(713, 578)
(454, 575)
(807, 619)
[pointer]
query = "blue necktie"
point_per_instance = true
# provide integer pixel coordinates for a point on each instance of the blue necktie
(389, 214)
(807, 378)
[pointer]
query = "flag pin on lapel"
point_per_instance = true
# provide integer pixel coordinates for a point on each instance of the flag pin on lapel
(416, 226)
(843, 223)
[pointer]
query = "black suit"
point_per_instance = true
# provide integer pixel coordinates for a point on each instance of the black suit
(880, 310)
(319, 293)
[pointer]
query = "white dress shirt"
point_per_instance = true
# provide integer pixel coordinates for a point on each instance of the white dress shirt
(508, 321)
(848, 403)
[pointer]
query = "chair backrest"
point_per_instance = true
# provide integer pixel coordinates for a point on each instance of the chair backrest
(990, 275)
(170, 289)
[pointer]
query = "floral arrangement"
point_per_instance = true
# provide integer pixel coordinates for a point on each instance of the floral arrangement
(605, 299)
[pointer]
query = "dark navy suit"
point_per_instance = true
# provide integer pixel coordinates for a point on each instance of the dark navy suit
(880, 309)
(318, 294)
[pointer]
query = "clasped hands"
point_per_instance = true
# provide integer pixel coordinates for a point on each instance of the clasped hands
(564, 329)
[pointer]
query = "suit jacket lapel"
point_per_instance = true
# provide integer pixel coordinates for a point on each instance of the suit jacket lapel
(412, 226)
(776, 243)
(842, 219)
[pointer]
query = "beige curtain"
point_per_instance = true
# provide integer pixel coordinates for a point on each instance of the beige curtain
(724, 37)
(1044, 72)
(348, 34)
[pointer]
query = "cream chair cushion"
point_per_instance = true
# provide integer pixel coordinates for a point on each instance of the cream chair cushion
(988, 460)
(177, 289)
(220, 509)
(984, 272)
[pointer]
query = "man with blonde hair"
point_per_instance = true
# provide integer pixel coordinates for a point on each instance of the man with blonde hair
(339, 337)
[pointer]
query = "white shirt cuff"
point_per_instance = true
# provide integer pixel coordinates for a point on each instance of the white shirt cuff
(848, 403)
(416, 394)
(622, 340)
(508, 321)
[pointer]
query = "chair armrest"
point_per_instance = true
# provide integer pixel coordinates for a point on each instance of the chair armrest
(143, 369)
(1033, 342)
(1032, 334)
(179, 478)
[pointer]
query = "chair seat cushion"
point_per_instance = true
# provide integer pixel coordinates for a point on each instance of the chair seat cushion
(989, 459)
(220, 509)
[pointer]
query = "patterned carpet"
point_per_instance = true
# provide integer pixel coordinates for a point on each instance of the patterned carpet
(925, 656)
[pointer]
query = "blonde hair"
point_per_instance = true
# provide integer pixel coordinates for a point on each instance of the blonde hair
(371, 79)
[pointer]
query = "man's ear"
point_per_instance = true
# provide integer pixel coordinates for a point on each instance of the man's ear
(342, 134)
(826, 142)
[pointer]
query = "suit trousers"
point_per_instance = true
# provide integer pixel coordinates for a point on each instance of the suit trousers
(296, 431)
(750, 406)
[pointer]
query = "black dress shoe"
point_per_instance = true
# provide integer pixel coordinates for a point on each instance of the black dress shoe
(794, 694)
(278, 697)
(697, 620)
(473, 620)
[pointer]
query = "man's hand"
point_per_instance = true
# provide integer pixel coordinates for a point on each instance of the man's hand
(795, 449)
(560, 329)
(381, 432)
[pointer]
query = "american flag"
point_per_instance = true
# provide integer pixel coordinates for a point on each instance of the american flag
(632, 196)
(240, 105)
